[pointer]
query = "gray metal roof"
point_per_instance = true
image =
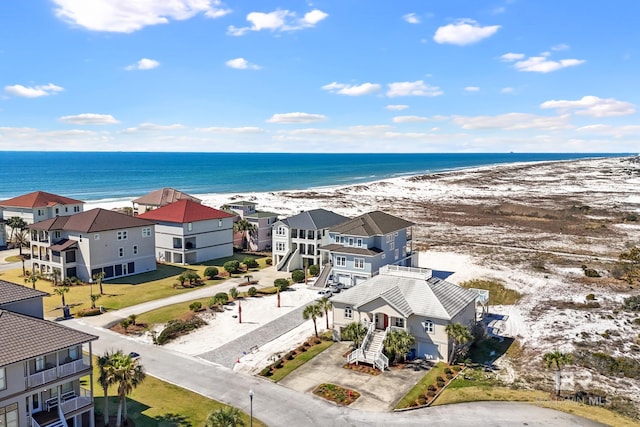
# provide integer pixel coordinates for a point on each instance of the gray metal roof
(11, 292)
(25, 337)
(316, 219)
(410, 294)
(374, 223)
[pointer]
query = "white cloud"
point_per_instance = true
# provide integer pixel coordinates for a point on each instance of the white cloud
(32, 91)
(352, 90)
(592, 106)
(539, 64)
(498, 10)
(417, 88)
(396, 107)
(464, 32)
(507, 90)
(126, 16)
(512, 121)
(241, 64)
(510, 57)
(411, 18)
(472, 88)
(143, 64)
(289, 118)
(150, 127)
(559, 47)
(232, 130)
(409, 119)
(615, 131)
(90, 119)
(278, 20)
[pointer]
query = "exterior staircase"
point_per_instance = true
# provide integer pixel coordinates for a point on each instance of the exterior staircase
(321, 281)
(375, 345)
(371, 349)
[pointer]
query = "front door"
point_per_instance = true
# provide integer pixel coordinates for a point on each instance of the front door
(36, 403)
(382, 321)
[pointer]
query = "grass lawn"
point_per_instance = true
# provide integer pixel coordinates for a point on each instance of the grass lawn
(300, 359)
(498, 294)
(421, 386)
(157, 403)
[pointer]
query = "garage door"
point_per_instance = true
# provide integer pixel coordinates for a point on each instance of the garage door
(360, 279)
(344, 279)
(428, 351)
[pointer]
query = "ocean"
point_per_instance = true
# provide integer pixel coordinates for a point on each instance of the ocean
(115, 176)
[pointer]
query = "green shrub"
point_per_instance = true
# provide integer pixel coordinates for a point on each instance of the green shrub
(430, 393)
(314, 270)
(449, 375)
(232, 266)
(233, 292)
(431, 387)
(297, 276)
(176, 328)
(447, 370)
(632, 303)
(195, 306)
(220, 298)
(252, 291)
(268, 261)
(591, 297)
(590, 272)
(250, 262)
(211, 272)
(282, 284)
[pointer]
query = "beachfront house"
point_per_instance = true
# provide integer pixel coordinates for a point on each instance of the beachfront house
(159, 198)
(42, 365)
(298, 238)
(188, 232)
(359, 247)
(35, 207)
(90, 242)
(409, 299)
(260, 238)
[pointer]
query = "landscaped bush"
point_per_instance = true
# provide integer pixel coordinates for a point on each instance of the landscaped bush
(250, 262)
(221, 298)
(252, 291)
(430, 393)
(431, 388)
(283, 284)
(176, 328)
(314, 270)
(85, 312)
(211, 272)
(447, 370)
(195, 306)
(297, 276)
(232, 266)
(268, 261)
(591, 297)
(449, 375)
(233, 293)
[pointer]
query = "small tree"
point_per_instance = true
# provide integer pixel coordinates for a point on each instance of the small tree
(195, 306)
(233, 293)
(312, 312)
(248, 277)
(314, 269)
(61, 291)
(325, 305)
(94, 298)
(280, 285)
(559, 360)
(225, 417)
(298, 276)
(250, 262)
(16, 223)
(192, 277)
(354, 331)
(211, 272)
(252, 292)
(232, 266)
(220, 298)
(132, 318)
(98, 277)
(459, 335)
(397, 344)
(125, 323)
(33, 279)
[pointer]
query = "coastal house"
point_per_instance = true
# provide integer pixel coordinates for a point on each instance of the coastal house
(90, 242)
(42, 365)
(298, 238)
(408, 299)
(159, 198)
(359, 247)
(188, 232)
(35, 207)
(260, 239)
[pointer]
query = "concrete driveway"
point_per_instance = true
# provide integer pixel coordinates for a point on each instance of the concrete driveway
(377, 392)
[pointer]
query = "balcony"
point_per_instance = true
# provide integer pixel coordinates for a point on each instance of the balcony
(73, 367)
(43, 377)
(71, 402)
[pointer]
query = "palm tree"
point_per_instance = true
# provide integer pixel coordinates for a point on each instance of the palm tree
(398, 343)
(325, 305)
(225, 417)
(106, 378)
(33, 278)
(94, 298)
(557, 359)
(247, 230)
(128, 375)
(61, 290)
(16, 223)
(23, 258)
(312, 312)
(98, 277)
(280, 285)
(20, 239)
(354, 331)
(459, 336)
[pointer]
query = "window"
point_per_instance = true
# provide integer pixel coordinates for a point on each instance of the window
(9, 416)
(73, 353)
(310, 235)
(348, 312)
(189, 226)
(358, 263)
(40, 213)
(135, 249)
(429, 327)
(57, 234)
(398, 322)
(57, 211)
(397, 252)
(341, 261)
(303, 234)
(280, 231)
(219, 223)
(350, 241)
(122, 235)
(120, 252)
(70, 256)
(359, 243)
(39, 363)
(280, 246)
(96, 237)
(76, 208)
(146, 232)
(3, 382)
(66, 209)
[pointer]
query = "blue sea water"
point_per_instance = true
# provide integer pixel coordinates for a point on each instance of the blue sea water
(92, 176)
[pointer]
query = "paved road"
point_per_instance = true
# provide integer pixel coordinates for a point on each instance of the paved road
(227, 355)
(280, 406)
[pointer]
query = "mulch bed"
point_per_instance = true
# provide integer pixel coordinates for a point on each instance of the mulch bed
(335, 393)
(365, 369)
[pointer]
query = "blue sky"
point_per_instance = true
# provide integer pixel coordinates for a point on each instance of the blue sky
(322, 76)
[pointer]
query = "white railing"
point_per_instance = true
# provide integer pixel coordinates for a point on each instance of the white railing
(72, 368)
(381, 362)
(75, 403)
(43, 377)
(355, 355)
(61, 415)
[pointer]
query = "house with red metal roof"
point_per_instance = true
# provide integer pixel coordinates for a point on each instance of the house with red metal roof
(188, 232)
(92, 242)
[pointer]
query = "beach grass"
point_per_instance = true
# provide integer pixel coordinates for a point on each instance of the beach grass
(498, 293)
(158, 403)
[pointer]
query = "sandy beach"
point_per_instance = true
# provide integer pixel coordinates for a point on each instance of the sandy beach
(530, 226)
